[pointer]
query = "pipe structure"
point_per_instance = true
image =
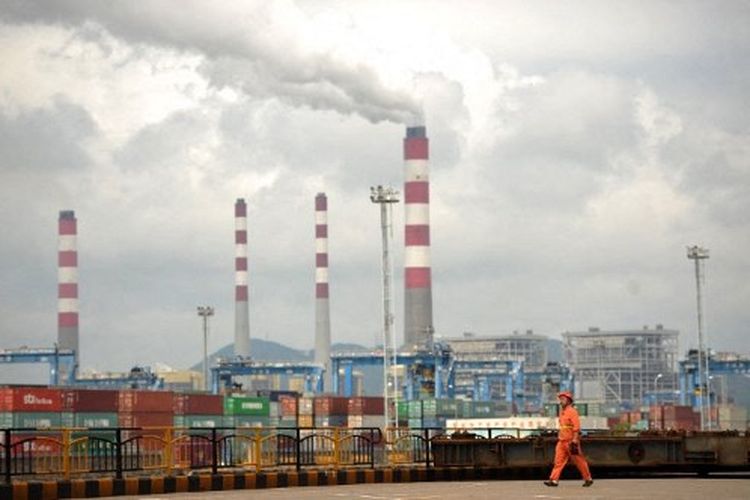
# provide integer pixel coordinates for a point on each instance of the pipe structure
(67, 283)
(241, 309)
(322, 305)
(418, 326)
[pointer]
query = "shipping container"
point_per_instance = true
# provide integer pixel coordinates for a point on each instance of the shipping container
(275, 396)
(242, 421)
(365, 406)
(30, 399)
(287, 422)
(330, 420)
(89, 419)
(146, 419)
(403, 410)
(134, 401)
(414, 423)
(415, 410)
(491, 409)
(90, 400)
(207, 421)
(305, 421)
(440, 408)
(287, 406)
(377, 421)
(198, 404)
(31, 420)
(305, 405)
(246, 405)
(330, 405)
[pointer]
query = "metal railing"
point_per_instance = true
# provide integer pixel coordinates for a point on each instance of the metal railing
(69, 452)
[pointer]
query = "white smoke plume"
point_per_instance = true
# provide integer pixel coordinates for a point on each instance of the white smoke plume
(260, 48)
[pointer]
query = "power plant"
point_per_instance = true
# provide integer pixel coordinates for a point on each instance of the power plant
(613, 369)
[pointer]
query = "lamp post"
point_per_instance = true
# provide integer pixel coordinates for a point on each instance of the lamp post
(204, 312)
(386, 197)
(656, 387)
(699, 254)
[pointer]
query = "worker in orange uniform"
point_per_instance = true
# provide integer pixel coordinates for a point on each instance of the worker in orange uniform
(569, 442)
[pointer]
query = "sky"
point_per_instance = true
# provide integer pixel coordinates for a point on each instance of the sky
(577, 148)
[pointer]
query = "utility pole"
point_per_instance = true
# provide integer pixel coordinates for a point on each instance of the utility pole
(205, 312)
(698, 255)
(386, 197)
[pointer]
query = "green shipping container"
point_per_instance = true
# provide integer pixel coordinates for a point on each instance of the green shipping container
(31, 419)
(441, 408)
(240, 421)
(95, 419)
(204, 421)
(243, 405)
(415, 409)
(415, 423)
(402, 410)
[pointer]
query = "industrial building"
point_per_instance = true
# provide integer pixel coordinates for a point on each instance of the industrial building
(623, 367)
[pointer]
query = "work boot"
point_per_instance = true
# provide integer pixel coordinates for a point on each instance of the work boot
(587, 483)
(550, 482)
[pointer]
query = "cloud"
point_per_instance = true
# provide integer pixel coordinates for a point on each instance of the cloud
(270, 49)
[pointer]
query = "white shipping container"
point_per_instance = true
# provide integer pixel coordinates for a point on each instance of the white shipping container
(519, 426)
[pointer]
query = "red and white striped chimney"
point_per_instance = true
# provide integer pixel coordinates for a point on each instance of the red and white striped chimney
(322, 307)
(67, 282)
(241, 310)
(418, 327)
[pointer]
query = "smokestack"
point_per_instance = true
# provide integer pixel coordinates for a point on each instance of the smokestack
(241, 312)
(418, 328)
(322, 308)
(67, 283)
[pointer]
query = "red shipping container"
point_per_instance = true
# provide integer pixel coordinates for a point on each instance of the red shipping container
(672, 412)
(198, 404)
(90, 400)
(30, 399)
(366, 406)
(331, 405)
(287, 406)
(131, 401)
(146, 419)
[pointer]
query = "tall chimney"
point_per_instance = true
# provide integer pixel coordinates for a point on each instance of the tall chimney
(67, 283)
(322, 307)
(418, 327)
(241, 312)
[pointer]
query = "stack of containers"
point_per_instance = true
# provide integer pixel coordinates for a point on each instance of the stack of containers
(90, 408)
(414, 413)
(306, 412)
(732, 417)
(198, 410)
(436, 411)
(145, 408)
(365, 412)
(36, 407)
(275, 405)
(330, 411)
(287, 411)
(246, 411)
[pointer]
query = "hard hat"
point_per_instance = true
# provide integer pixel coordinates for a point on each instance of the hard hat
(567, 394)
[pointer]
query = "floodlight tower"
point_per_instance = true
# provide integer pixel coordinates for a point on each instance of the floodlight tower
(386, 197)
(204, 312)
(698, 255)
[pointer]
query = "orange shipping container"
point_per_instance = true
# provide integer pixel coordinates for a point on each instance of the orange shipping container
(132, 401)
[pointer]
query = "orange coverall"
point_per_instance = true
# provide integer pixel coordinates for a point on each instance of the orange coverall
(570, 429)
